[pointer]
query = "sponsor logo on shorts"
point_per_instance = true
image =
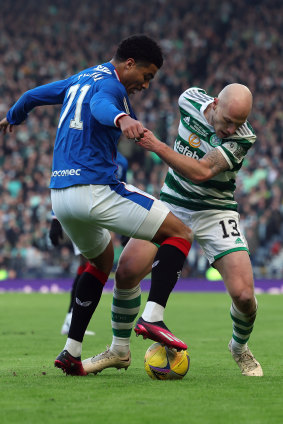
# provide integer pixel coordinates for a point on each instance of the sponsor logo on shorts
(239, 241)
(66, 172)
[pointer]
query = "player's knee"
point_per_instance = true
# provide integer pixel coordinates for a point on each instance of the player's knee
(104, 268)
(123, 276)
(179, 229)
(126, 275)
(245, 300)
(173, 228)
(187, 234)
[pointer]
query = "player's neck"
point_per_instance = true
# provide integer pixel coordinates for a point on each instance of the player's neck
(208, 114)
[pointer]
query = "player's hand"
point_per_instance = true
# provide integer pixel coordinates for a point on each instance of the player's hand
(131, 128)
(55, 232)
(148, 141)
(5, 126)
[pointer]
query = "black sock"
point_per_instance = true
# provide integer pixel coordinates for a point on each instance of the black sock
(73, 292)
(88, 293)
(166, 269)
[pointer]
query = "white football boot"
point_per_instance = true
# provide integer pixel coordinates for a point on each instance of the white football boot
(246, 362)
(104, 360)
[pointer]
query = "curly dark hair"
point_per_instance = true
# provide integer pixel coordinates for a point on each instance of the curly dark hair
(141, 48)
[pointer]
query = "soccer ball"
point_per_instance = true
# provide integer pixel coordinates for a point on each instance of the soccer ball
(162, 363)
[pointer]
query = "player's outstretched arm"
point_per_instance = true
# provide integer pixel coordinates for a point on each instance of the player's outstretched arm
(5, 126)
(195, 170)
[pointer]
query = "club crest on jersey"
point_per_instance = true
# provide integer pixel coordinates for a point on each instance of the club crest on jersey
(214, 140)
(194, 140)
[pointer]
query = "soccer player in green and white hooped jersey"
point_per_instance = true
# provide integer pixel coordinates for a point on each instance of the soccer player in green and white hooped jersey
(196, 137)
(213, 139)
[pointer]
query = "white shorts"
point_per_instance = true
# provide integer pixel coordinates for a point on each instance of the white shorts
(76, 249)
(88, 212)
(217, 232)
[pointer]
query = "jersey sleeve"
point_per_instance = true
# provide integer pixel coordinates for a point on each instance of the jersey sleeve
(235, 148)
(193, 97)
(48, 94)
(109, 103)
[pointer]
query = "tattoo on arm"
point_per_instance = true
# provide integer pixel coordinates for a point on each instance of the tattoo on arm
(217, 161)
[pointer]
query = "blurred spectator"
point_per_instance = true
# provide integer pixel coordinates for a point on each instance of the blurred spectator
(207, 44)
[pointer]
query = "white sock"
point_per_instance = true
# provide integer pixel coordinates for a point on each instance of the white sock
(153, 312)
(73, 347)
(68, 318)
(238, 347)
(120, 346)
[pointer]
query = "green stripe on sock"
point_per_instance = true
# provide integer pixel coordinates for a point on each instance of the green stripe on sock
(133, 303)
(243, 323)
(122, 333)
(241, 331)
(240, 340)
(122, 317)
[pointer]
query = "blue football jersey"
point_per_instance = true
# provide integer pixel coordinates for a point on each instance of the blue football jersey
(85, 150)
(123, 164)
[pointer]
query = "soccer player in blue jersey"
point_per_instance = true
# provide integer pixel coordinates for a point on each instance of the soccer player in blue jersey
(87, 197)
(56, 235)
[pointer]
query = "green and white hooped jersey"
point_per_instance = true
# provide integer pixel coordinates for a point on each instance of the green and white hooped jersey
(196, 137)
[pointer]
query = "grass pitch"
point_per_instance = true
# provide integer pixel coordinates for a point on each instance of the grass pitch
(33, 391)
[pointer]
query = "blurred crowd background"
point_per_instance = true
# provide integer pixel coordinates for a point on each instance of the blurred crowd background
(206, 43)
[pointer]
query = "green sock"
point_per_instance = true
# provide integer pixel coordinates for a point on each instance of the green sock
(125, 308)
(242, 328)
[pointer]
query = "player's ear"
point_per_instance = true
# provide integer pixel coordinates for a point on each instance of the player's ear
(215, 102)
(130, 63)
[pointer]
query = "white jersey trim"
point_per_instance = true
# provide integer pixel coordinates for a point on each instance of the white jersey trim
(225, 156)
(118, 117)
